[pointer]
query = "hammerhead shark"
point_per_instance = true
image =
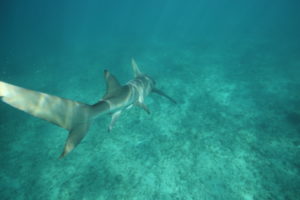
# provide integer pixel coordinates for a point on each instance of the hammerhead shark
(76, 117)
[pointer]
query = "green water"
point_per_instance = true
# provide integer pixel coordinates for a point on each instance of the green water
(233, 68)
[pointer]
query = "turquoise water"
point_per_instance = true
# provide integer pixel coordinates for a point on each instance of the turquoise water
(233, 67)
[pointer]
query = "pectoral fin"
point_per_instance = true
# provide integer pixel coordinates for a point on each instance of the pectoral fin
(143, 106)
(114, 118)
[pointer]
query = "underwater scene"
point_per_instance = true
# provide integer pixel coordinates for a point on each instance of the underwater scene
(150, 100)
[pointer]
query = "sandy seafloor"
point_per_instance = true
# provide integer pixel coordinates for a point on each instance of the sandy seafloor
(234, 133)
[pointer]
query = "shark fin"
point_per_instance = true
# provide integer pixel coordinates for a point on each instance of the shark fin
(59, 111)
(111, 83)
(163, 94)
(137, 72)
(68, 114)
(74, 138)
(114, 118)
(143, 106)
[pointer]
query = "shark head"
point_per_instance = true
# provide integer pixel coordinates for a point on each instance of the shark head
(145, 84)
(142, 84)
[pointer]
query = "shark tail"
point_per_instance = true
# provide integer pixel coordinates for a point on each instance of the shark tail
(70, 115)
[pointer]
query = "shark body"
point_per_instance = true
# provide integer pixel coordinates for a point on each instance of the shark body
(76, 117)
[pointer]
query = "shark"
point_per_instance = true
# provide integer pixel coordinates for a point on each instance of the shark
(76, 117)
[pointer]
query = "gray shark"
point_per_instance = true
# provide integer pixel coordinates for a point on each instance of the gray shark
(76, 117)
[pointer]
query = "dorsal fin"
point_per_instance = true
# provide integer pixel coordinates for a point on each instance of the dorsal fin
(111, 83)
(137, 72)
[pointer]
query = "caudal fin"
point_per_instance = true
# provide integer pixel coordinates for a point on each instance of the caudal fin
(71, 115)
(74, 137)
